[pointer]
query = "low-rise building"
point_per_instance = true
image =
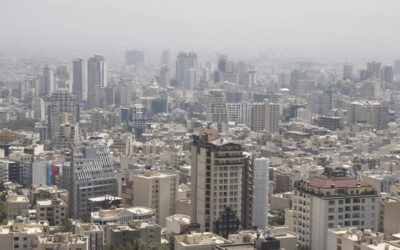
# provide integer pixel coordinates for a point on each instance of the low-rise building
(93, 232)
(122, 215)
(195, 241)
(17, 205)
(63, 241)
(54, 210)
(22, 235)
(177, 223)
(120, 234)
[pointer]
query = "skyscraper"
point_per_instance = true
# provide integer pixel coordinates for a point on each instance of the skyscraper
(217, 179)
(216, 109)
(97, 76)
(387, 74)
(348, 72)
(47, 83)
(134, 58)
(185, 62)
(397, 67)
(375, 67)
(91, 175)
(165, 57)
(164, 77)
(61, 101)
(79, 80)
(260, 200)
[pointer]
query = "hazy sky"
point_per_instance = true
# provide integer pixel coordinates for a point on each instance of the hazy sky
(319, 26)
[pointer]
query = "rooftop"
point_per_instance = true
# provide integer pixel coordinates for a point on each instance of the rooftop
(345, 182)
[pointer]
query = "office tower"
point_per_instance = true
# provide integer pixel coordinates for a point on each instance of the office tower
(387, 74)
(216, 108)
(272, 117)
(321, 102)
(79, 80)
(260, 199)
(242, 71)
(134, 58)
(96, 120)
(252, 78)
(375, 67)
(329, 201)
(397, 67)
(97, 76)
(164, 77)
(217, 181)
(65, 132)
(47, 83)
(156, 190)
(375, 114)
(222, 63)
(348, 72)
(185, 62)
(61, 101)
(165, 57)
(91, 175)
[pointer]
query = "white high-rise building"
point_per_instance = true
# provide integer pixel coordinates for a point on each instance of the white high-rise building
(97, 76)
(79, 80)
(216, 110)
(260, 199)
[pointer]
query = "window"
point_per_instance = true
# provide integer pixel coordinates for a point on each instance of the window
(331, 202)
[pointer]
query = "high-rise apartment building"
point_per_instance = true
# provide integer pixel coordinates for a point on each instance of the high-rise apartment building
(79, 80)
(156, 190)
(265, 116)
(61, 101)
(332, 200)
(220, 180)
(272, 117)
(96, 118)
(260, 198)
(91, 175)
(96, 76)
(216, 108)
